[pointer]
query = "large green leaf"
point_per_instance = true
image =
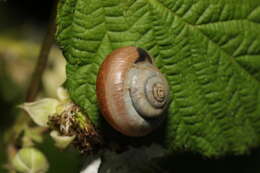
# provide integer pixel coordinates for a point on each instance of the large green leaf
(209, 51)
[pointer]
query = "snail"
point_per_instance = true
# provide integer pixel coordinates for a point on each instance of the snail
(131, 92)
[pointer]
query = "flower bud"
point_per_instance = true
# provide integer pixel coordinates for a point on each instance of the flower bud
(30, 160)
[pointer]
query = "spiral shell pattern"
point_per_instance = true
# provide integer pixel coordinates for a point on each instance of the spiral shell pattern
(132, 93)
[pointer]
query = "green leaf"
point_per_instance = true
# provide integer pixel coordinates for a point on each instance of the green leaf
(209, 51)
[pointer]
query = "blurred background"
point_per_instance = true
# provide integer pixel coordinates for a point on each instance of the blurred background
(22, 29)
(23, 25)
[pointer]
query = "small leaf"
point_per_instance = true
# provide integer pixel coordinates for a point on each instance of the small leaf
(30, 160)
(40, 110)
(61, 142)
(62, 94)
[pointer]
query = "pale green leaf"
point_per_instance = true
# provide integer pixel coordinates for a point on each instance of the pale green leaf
(61, 142)
(40, 110)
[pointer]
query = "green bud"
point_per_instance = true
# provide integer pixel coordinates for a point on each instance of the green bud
(61, 142)
(30, 160)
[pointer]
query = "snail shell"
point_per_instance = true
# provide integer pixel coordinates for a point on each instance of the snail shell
(131, 92)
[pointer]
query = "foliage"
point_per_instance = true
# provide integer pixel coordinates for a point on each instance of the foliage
(208, 50)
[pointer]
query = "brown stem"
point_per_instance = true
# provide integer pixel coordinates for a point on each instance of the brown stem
(42, 58)
(23, 121)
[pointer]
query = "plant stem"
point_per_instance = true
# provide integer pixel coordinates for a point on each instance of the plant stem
(22, 121)
(42, 58)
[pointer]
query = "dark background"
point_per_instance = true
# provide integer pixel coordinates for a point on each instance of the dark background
(25, 11)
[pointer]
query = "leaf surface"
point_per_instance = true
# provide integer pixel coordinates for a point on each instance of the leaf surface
(209, 51)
